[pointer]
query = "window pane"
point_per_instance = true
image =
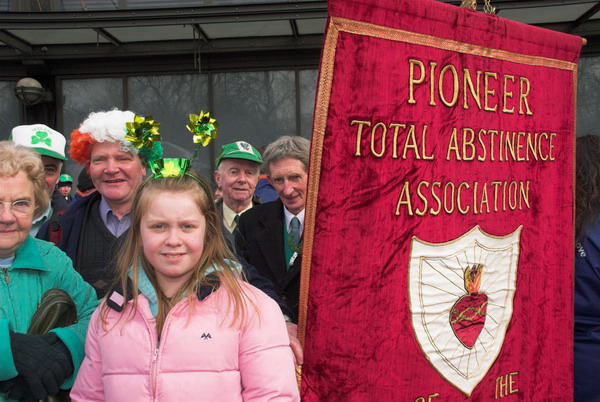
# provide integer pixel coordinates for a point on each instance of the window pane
(9, 109)
(308, 87)
(92, 95)
(588, 102)
(170, 99)
(257, 107)
(85, 96)
(103, 5)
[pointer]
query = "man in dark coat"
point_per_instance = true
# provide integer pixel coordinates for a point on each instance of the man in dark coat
(270, 235)
(62, 195)
(236, 175)
(92, 229)
(65, 185)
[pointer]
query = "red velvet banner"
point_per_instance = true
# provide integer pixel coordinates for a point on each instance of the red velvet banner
(439, 231)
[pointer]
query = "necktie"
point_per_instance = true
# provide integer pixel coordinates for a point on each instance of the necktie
(295, 230)
(236, 229)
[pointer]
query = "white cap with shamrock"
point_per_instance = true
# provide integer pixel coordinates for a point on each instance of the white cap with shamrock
(40, 138)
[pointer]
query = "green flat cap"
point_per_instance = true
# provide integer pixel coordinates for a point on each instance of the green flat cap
(239, 150)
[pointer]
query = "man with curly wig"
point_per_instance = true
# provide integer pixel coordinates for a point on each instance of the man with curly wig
(91, 229)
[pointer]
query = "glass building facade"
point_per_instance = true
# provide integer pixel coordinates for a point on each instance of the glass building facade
(253, 64)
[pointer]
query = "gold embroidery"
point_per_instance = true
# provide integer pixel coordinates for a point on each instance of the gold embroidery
(484, 199)
(520, 146)
(423, 142)
(410, 137)
(514, 255)
(437, 199)
(451, 209)
(481, 158)
(523, 96)
(378, 31)
(507, 94)
(504, 385)
(574, 148)
(436, 86)
(458, 202)
(487, 91)
(551, 145)
(469, 143)
(453, 146)
(429, 397)
(431, 88)
(413, 197)
(496, 184)
(512, 205)
(395, 141)
(383, 134)
(524, 195)
(422, 197)
(469, 83)
(404, 199)
(320, 121)
(359, 133)
(412, 80)
(454, 85)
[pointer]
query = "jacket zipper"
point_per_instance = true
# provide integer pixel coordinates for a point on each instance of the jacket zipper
(154, 371)
(154, 374)
(6, 278)
(154, 345)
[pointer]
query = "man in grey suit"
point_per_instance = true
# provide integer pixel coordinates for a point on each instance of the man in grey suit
(236, 175)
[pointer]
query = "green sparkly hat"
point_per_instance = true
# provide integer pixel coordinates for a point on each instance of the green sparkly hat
(204, 130)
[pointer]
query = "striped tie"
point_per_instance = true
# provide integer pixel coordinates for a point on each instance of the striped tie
(295, 230)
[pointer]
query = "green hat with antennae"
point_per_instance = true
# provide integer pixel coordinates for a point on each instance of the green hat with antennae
(143, 133)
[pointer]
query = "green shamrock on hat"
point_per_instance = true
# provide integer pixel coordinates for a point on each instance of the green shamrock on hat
(41, 137)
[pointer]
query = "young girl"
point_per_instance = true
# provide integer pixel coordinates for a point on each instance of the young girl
(181, 325)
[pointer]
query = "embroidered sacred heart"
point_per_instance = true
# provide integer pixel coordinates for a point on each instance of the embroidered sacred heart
(461, 301)
(467, 316)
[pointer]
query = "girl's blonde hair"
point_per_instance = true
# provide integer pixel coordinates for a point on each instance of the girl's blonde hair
(215, 252)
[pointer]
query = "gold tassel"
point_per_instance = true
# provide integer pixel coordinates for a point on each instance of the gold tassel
(472, 4)
(488, 9)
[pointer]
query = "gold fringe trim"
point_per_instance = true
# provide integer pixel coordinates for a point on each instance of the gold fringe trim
(398, 35)
(314, 173)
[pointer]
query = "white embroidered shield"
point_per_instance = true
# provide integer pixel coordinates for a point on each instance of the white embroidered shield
(461, 301)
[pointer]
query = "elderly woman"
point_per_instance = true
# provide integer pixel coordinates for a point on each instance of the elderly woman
(33, 366)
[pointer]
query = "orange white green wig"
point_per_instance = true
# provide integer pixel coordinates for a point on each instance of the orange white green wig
(104, 127)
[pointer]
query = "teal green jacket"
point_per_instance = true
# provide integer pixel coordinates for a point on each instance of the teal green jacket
(39, 266)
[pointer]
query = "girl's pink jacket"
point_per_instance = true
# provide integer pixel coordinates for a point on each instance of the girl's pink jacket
(203, 359)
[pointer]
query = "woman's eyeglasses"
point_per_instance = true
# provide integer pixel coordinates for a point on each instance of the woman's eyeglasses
(21, 207)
